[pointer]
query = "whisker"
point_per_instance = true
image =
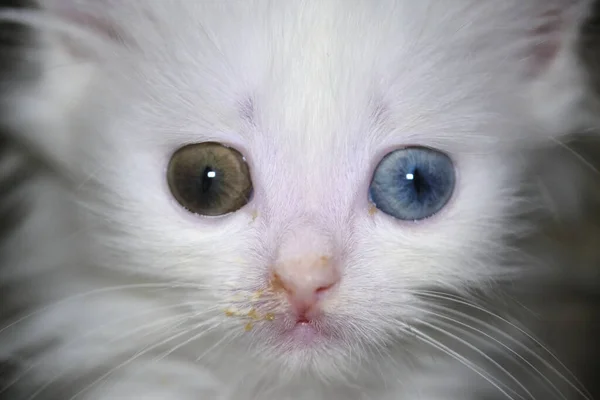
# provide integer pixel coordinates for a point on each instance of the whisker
(179, 320)
(226, 337)
(508, 348)
(136, 357)
(56, 377)
(39, 362)
(105, 290)
(575, 383)
(462, 301)
(481, 353)
(578, 156)
(188, 341)
(446, 350)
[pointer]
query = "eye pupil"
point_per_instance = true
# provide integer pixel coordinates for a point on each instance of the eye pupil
(419, 184)
(208, 177)
(412, 183)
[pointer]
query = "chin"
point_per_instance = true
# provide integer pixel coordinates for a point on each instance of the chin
(319, 347)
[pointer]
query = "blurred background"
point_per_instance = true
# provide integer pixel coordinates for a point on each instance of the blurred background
(574, 314)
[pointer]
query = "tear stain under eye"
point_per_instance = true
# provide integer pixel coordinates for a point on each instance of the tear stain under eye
(254, 215)
(372, 210)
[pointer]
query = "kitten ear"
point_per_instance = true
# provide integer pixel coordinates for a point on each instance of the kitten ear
(555, 29)
(91, 14)
(83, 25)
(65, 32)
(556, 76)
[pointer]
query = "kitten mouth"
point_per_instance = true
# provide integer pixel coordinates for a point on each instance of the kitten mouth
(304, 332)
(297, 331)
(302, 320)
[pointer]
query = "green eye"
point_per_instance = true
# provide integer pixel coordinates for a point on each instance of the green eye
(209, 179)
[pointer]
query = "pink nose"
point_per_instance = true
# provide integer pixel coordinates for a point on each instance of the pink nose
(305, 282)
(305, 269)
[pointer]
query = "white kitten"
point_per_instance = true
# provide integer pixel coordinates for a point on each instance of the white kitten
(354, 166)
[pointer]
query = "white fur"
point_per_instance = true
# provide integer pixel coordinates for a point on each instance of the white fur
(333, 85)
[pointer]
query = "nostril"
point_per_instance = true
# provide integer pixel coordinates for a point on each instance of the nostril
(324, 288)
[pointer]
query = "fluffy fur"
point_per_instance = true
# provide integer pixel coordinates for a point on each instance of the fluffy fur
(129, 291)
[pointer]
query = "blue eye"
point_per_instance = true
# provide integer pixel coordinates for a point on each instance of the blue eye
(412, 183)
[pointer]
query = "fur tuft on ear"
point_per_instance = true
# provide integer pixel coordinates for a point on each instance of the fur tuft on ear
(66, 32)
(82, 27)
(90, 16)
(555, 71)
(555, 29)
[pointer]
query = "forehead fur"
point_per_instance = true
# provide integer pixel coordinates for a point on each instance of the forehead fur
(319, 67)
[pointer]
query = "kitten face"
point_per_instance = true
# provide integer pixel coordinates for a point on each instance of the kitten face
(313, 96)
